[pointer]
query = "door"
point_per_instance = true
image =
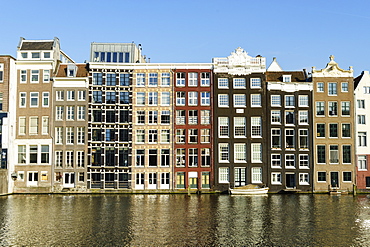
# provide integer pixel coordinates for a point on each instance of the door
(290, 180)
(33, 178)
(69, 180)
(193, 183)
(240, 177)
(152, 181)
(334, 179)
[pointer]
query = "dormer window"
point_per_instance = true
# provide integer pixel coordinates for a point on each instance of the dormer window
(287, 78)
(46, 54)
(35, 54)
(24, 54)
(71, 70)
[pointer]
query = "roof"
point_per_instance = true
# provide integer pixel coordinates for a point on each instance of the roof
(82, 70)
(37, 45)
(274, 66)
(296, 76)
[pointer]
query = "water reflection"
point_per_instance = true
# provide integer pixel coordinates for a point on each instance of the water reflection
(180, 220)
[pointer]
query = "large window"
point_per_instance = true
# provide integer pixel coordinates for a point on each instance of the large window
(275, 138)
(362, 162)
(239, 127)
(165, 157)
(124, 98)
(255, 82)
(223, 152)
(22, 154)
(320, 130)
(303, 161)
(152, 117)
(303, 100)
(110, 97)
(361, 104)
(140, 157)
(97, 96)
(111, 79)
(206, 156)
(332, 88)
(205, 98)
(193, 117)
(275, 117)
(34, 99)
(275, 100)
(256, 127)
(180, 79)
(140, 117)
(140, 79)
(239, 83)
(289, 117)
(275, 178)
(153, 157)
(205, 116)
(192, 79)
(165, 98)
(180, 136)
(320, 108)
(223, 175)
(180, 98)
(290, 161)
(321, 154)
(180, 117)
(193, 98)
(140, 98)
(124, 79)
(223, 100)
(361, 119)
(289, 101)
(69, 135)
(346, 108)
(205, 79)
(239, 100)
(333, 130)
(153, 98)
(303, 139)
(304, 179)
(165, 136)
(165, 79)
(223, 83)
(320, 87)
(346, 149)
(193, 157)
(153, 79)
(193, 135)
(289, 138)
(256, 174)
(256, 149)
(153, 136)
(303, 117)
(333, 108)
(223, 123)
(180, 157)
(205, 135)
(334, 154)
(34, 125)
(165, 117)
(255, 100)
(276, 160)
(240, 152)
(97, 79)
(362, 139)
(346, 130)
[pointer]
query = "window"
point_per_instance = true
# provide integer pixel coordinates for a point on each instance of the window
(275, 117)
(153, 157)
(124, 116)
(334, 154)
(69, 135)
(124, 79)
(223, 83)
(180, 117)
(275, 178)
(240, 152)
(110, 135)
(59, 113)
(45, 125)
(140, 79)
(256, 127)
(34, 122)
(153, 136)
(239, 82)
(140, 98)
(361, 119)
(80, 135)
(165, 98)
(180, 79)
(320, 108)
(34, 76)
(344, 86)
(97, 97)
(275, 100)
(139, 179)
(152, 117)
(165, 117)
(303, 100)
(193, 79)
(255, 100)
(193, 98)
(239, 127)
(320, 87)
(80, 112)
(193, 136)
(321, 176)
(140, 157)
(333, 108)
(321, 156)
(44, 154)
(70, 112)
(71, 95)
(21, 154)
(345, 108)
(205, 116)
(303, 117)
(303, 139)
(165, 157)
(362, 162)
(332, 88)
(205, 180)
(290, 161)
(361, 104)
(180, 157)
(346, 149)
(223, 127)
(165, 80)
(124, 97)
(124, 135)
(33, 154)
(256, 174)
(80, 159)
(255, 83)
(347, 176)
(22, 125)
(303, 161)
(287, 78)
(239, 100)
(110, 97)
(46, 76)
(289, 138)
(223, 175)
(34, 99)
(362, 139)
(180, 98)
(193, 117)
(256, 149)
(205, 135)
(276, 160)
(320, 130)
(205, 98)
(206, 156)
(97, 79)
(140, 136)
(333, 130)
(275, 138)
(58, 135)
(304, 179)
(366, 90)
(289, 101)
(24, 54)
(223, 152)
(22, 99)
(35, 54)
(205, 79)
(97, 115)
(346, 130)
(193, 157)
(165, 136)
(69, 158)
(111, 80)
(289, 117)
(23, 76)
(153, 79)
(223, 100)
(180, 180)
(59, 159)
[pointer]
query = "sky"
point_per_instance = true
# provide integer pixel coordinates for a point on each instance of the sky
(300, 34)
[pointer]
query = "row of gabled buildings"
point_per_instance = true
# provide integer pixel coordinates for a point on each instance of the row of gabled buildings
(119, 123)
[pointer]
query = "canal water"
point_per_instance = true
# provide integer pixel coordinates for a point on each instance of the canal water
(182, 220)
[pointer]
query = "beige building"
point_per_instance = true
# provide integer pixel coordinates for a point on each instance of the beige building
(333, 121)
